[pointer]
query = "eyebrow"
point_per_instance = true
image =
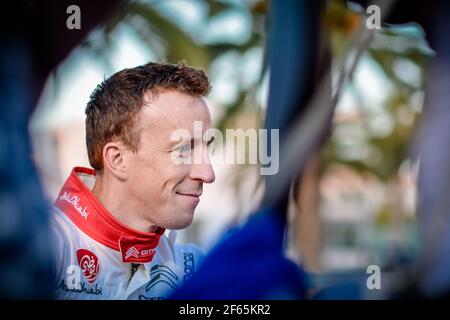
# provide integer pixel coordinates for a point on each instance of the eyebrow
(175, 143)
(208, 143)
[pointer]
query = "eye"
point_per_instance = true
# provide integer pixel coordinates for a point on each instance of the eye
(184, 150)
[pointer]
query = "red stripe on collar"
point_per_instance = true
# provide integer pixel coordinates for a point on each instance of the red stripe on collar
(78, 202)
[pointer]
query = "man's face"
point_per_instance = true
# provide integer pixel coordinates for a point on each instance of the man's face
(166, 192)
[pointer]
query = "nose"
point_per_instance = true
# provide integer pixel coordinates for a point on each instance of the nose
(203, 172)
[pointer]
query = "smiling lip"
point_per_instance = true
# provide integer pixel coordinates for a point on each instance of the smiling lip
(191, 198)
(194, 195)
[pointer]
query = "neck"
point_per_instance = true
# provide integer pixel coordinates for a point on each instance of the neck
(117, 201)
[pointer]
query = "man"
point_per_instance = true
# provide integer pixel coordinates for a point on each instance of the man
(109, 223)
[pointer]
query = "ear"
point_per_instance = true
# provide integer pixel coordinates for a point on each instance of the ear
(115, 160)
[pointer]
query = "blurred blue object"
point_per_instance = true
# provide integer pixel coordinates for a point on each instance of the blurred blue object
(248, 263)
(25, 260)
(434, 171)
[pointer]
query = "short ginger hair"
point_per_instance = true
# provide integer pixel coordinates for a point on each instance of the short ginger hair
(113, 107)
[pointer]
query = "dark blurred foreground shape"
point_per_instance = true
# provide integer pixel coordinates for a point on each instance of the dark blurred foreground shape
(432, 278)
(34, 39)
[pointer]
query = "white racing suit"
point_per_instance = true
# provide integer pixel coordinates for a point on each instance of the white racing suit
(100, 258)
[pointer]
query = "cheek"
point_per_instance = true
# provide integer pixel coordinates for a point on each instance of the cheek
(143, 174)
(145, 162)
(156, 173)
(178, 173)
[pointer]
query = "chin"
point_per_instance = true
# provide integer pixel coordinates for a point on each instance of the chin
(183, 225)
(180, 222)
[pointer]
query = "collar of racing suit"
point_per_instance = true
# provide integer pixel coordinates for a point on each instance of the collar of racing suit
(78, 202)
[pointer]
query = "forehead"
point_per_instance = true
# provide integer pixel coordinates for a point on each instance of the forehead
(172, 110)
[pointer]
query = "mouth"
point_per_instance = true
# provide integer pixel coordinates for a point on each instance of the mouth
(189, 194)
(190, 198)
